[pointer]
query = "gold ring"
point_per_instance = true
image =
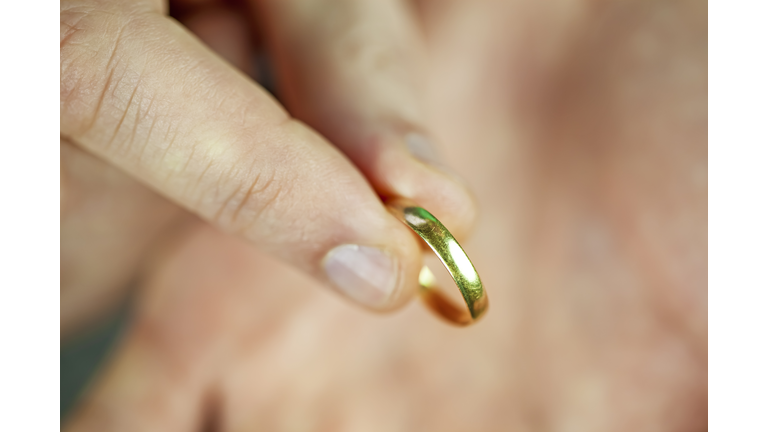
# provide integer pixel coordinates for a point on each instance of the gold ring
(453, 257)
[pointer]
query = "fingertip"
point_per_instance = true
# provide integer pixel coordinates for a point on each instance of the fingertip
(376, 278)
(407, 246)
(376, 262)
(409, 166)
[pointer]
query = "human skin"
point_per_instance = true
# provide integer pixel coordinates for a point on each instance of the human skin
(581, 127)
(140, 92)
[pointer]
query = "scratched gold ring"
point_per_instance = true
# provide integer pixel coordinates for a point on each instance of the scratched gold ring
(453, 257)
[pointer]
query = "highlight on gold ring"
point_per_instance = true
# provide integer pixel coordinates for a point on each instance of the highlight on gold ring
(452, 255)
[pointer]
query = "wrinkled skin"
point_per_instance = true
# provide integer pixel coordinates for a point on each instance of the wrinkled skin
(581, 127)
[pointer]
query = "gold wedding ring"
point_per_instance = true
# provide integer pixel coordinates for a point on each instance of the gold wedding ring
(453, 257)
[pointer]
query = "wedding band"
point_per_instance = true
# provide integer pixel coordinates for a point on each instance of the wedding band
(453, 257)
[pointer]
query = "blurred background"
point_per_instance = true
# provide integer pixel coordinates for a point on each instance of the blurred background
(81, 356)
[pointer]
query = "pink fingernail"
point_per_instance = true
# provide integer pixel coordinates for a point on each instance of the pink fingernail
(365, 274)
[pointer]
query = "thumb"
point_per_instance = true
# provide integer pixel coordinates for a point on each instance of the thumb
(354, 71)
(142, 93)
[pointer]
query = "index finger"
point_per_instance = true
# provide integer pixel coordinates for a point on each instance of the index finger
(142, 93)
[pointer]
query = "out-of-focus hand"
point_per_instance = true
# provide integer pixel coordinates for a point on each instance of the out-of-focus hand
(582, 127)
(141, 94)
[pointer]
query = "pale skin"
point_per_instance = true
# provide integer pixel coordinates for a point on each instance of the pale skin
(579, 126)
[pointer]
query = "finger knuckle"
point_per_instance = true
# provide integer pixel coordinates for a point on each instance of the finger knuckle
(94, 76)
(80, 55)
(253, 202)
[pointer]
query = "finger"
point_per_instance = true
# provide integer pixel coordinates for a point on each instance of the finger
(352, 70)
(225, 31)
(141, 391)
(142, 93)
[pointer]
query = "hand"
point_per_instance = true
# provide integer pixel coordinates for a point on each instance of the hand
(141, 93)
(592, 245)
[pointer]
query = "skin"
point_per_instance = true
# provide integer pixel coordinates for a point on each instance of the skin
(140, 92)
(581, 127)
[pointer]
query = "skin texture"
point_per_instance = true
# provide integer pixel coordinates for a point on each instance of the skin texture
(140, 92)
(581, 127)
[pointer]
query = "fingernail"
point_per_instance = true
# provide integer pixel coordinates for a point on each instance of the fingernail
(422, 148)
(365, 274)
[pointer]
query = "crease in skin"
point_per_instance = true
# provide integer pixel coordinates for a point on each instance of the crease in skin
(174, 161)
(149, 131)
(217, 216)
(130, 141)
(169, 144)
(108, 84)
(72, 28)
(201, 176)
(250, 193)
(126, 110)
(250, 196)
